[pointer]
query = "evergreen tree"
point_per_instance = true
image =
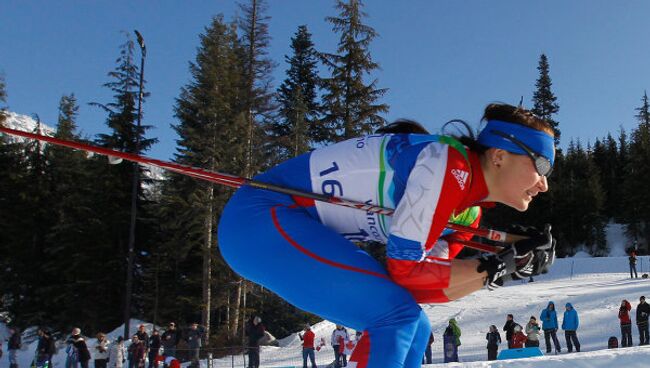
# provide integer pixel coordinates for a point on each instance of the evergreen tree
(544, 101)
(636, 193)
(213, 135)
(298, 124)
(114, 182)
(259, 107)
(350, 104)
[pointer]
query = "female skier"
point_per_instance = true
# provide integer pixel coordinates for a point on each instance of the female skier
(275, 239)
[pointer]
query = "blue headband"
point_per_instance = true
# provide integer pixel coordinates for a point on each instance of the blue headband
(540, 142)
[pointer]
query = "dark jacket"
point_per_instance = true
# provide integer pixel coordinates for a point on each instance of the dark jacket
(136, 352)
(14, 341)
(493, 339)
(509, 328)
(82, 349)
(46, 345)
(254, 333)
(144, 338)
(170, 338)
(154, 343)
(642, 313)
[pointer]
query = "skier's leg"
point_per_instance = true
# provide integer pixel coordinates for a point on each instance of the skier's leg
(419, 343)
(278, 246)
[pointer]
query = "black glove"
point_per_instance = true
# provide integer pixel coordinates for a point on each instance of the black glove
(531, 256)
(495, 267)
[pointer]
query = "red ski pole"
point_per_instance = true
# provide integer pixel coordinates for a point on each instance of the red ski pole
(234, 181)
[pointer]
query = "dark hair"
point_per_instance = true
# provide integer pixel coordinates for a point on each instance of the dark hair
(517, 115)
(498, 111)
(403, 126)
(511, 316)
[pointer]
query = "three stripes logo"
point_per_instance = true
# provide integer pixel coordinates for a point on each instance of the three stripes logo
(461, 177)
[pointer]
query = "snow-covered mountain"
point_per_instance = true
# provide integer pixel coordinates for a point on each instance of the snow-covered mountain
(27, 124)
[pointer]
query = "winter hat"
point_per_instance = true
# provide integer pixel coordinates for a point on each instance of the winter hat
(517, 328)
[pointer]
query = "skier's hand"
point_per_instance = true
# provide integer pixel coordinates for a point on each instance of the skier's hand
(496, 269)
(531, 256)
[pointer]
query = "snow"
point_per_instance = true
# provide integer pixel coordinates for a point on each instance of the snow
(595, 286)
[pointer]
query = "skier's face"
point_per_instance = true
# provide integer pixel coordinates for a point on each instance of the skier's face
(516, 181)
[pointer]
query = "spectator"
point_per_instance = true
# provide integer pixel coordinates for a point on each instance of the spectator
(633, 264)
(13, 345)
(308, 347)
(352, 343)
(71, 354)
(255, 331)
(101, 351)
(642, 312)
(626, 323)
(428, 355)
(136, 352)
(167, 362)
(453, 333)
(143, 337)
(570, 324)
(170, 339)
(339, 337)
(509, 329)
(493, 340)
(532, 333)
(154, 347)
(46, 347)
(79, 343)
(116, 354)
(518, 338)
(549, 325)
(194, 337)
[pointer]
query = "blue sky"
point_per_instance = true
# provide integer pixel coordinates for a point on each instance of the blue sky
(440, 59)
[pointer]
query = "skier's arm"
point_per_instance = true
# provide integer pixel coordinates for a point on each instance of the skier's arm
(432, 194)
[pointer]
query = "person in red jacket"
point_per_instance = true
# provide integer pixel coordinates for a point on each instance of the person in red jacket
(518, 338)
(308, 347)
(626, 323)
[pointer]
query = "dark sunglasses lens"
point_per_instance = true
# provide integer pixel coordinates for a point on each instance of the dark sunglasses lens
(543, 166)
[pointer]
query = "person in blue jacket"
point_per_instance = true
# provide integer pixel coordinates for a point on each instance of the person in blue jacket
(549, 325)
(570, 325)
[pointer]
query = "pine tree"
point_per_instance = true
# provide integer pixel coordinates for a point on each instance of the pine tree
(636, 193)
(259, 107)
(350, 104)
(213, 135)
(115, 182)
(297, 127)
(255, 38)
(544, 101)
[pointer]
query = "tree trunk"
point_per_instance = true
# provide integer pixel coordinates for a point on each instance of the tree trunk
(207, 264)
(236, 310)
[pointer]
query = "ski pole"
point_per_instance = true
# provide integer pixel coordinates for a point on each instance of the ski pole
(234, 181)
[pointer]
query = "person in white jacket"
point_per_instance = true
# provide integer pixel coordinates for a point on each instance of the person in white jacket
(116, 354)
(100, 352)
(339, 338)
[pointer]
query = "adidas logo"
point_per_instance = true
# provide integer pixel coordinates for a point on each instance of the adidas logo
(461, 176)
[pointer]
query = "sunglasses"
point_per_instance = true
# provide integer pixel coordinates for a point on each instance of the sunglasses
(542, 164)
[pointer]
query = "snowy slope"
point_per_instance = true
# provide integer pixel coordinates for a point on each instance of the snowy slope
(595, 286)
(25, 123)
